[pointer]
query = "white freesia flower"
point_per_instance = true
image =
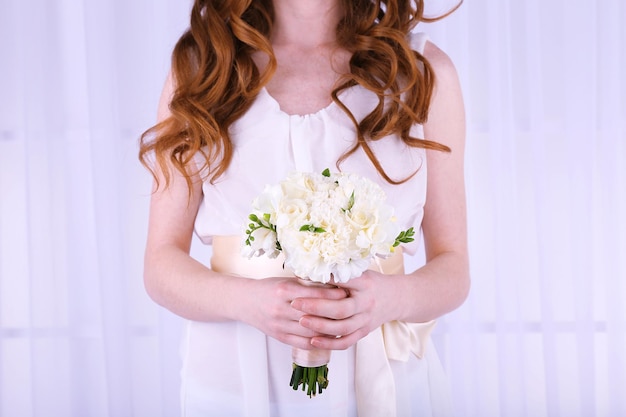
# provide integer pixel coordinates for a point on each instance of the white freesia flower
(264, 243)
(268, 201)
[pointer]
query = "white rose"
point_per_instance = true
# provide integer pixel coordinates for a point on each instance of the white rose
(291, 211)
(361, 219)
(297, 185)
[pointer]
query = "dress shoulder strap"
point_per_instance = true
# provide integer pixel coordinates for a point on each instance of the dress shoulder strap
(418, 41)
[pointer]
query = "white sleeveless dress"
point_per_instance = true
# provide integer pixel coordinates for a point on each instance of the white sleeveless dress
(232, 369)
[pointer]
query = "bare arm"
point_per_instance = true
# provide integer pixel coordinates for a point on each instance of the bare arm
(443, 283)
(190, 289)
(445, 224)
(171, 277)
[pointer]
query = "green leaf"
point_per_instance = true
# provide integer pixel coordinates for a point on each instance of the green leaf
(312, 229)
(405, 237)
(326, 172)
(350, 202)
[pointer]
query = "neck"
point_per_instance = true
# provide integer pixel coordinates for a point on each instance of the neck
(308, 23)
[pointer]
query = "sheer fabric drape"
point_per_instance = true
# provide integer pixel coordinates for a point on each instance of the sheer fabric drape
(79, 82)
(544, 330)
(543, 333)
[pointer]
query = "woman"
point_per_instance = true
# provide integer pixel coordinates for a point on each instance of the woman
(259, 89)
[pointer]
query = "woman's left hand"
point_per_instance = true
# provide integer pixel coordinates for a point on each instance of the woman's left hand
(348, 320)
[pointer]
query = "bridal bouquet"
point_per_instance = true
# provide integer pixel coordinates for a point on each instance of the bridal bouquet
(327, 226)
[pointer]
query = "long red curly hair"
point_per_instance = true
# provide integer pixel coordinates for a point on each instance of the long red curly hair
(216, 80)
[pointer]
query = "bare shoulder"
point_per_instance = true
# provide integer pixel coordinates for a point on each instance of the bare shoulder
(167, 93)
(441, 63)
(446, 118)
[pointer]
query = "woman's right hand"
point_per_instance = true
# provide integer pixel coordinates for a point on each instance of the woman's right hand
(266, 305)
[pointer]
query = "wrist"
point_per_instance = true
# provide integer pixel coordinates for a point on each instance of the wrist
(389, 295)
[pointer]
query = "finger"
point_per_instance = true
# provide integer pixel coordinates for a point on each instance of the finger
(334, 328)
(332, 309)
(296, 329)
(319, 292)
(297, 341)
(338, 343)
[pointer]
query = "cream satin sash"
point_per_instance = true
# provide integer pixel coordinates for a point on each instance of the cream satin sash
(374, 382)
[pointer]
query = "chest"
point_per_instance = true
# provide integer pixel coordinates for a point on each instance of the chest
(304, 80)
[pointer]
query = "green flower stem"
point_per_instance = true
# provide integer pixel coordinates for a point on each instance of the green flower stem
(313, 380)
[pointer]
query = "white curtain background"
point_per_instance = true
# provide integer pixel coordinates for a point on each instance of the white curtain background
(544, 330)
